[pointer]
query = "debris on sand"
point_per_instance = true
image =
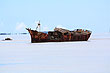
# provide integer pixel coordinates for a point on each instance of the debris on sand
(7, 39)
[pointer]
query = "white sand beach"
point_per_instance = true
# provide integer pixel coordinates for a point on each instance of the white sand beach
(22, 56)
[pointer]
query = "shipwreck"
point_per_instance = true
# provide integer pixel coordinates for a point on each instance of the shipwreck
(59, 35)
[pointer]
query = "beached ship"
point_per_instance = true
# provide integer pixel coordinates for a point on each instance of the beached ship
(59, 35)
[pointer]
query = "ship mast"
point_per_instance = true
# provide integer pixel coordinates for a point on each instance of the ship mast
(38, 26)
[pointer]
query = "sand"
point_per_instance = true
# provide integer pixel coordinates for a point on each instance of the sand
(22, 56)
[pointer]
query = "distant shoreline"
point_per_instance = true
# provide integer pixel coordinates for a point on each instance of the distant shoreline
(13, 33)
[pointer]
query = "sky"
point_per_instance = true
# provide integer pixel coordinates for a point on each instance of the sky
(16, 15)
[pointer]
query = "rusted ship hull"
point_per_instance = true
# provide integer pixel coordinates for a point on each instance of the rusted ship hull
(59, 35)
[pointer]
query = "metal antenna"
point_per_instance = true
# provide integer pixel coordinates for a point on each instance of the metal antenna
(109, 30)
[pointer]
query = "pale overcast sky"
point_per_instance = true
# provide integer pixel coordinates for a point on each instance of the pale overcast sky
(16, 15)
